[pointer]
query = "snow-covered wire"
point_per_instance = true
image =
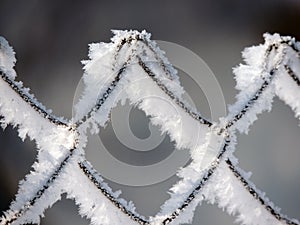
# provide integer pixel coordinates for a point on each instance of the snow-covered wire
(256, 194)
(96, 179)
(32, 101)
(169, 93)
(53, 136)
(14, 215)
(292, 74)
(127, 63)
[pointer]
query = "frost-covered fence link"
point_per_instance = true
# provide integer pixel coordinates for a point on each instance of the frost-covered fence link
(133, 67)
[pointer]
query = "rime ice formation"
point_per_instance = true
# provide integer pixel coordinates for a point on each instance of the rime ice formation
(132, 67)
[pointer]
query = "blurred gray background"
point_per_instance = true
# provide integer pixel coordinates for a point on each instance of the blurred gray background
(51, 37)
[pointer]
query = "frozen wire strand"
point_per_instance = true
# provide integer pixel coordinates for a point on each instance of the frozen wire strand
(93, 176)
(266, 82)
(32, 101)
(161, 62)
(17, 214)
(252, 190)
(255, 97)
(107, 92)
(292, 74)
(210, 171)
(249, 104)
(2, 120)
(236, 172)
(101, 100)
(193, 114)
(129, 40)
(146, 42)
(112, 85)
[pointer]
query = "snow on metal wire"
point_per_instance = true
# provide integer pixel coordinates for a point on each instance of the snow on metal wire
(271, 68)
